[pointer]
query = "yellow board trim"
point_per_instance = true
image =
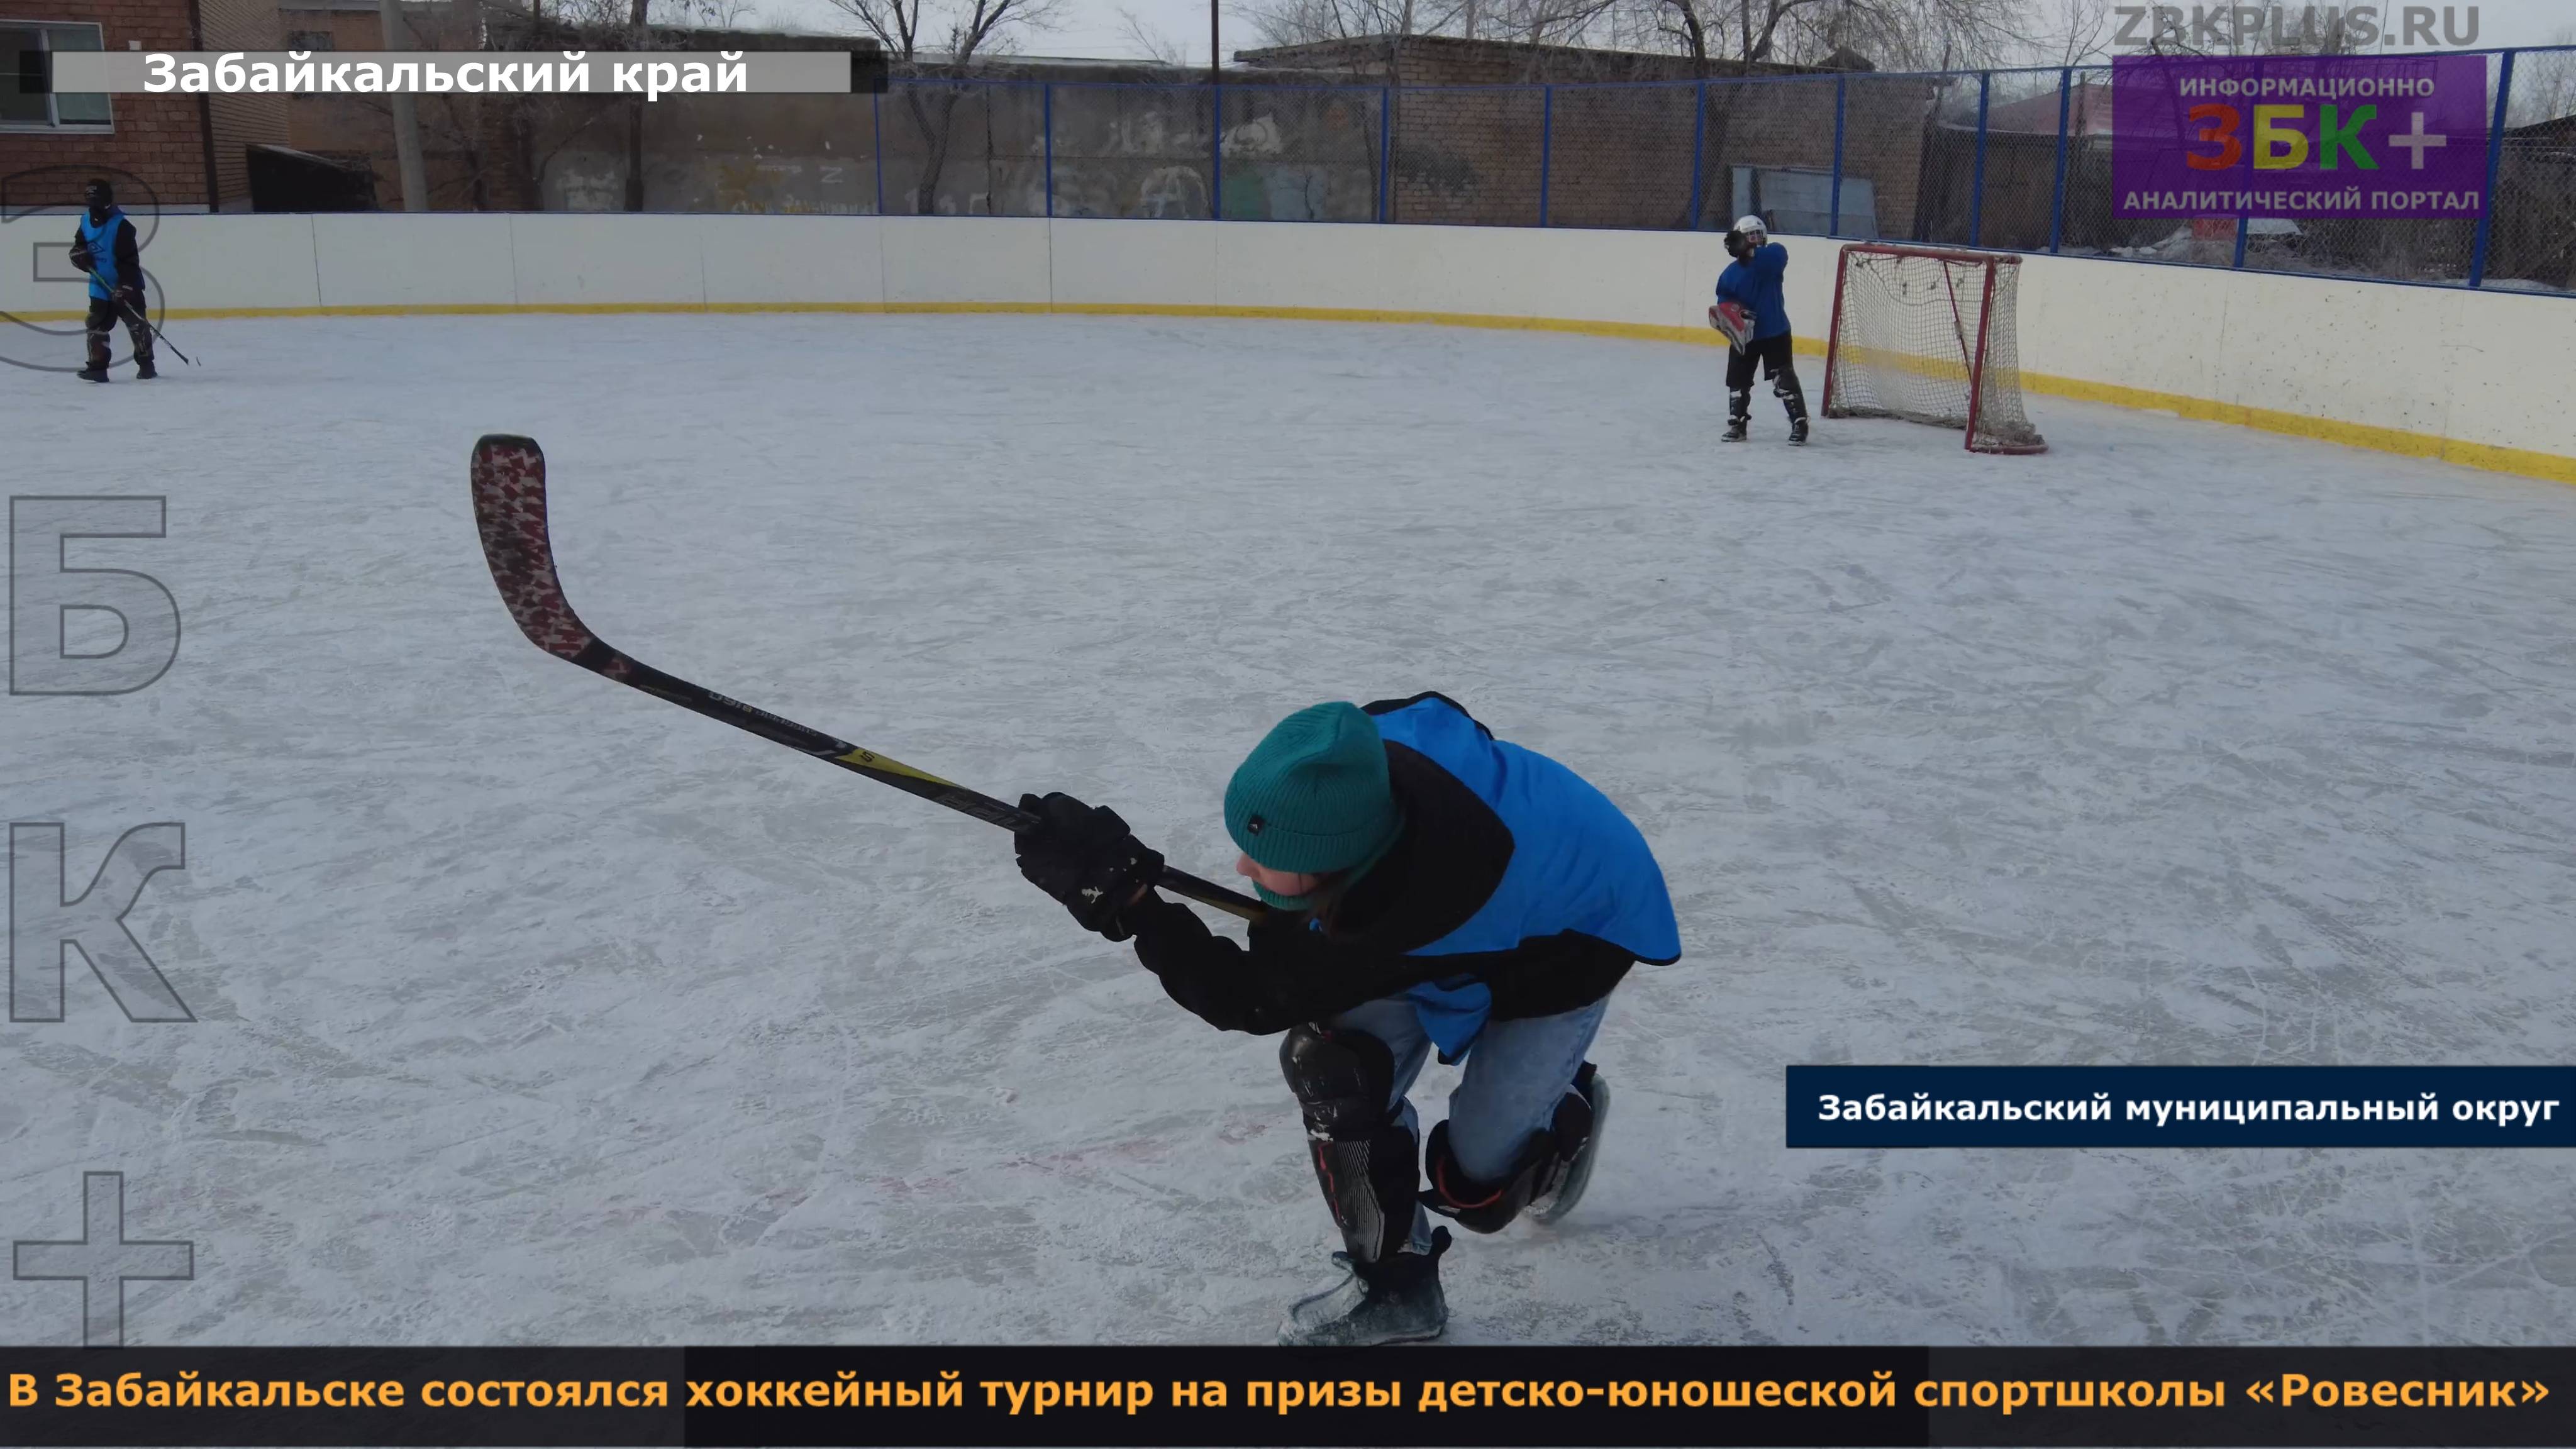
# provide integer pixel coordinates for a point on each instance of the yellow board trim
(2524, 461)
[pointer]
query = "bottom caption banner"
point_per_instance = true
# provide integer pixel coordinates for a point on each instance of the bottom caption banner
(1221, 1396)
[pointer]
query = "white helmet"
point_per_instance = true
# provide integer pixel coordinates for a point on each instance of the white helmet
(1751, 225)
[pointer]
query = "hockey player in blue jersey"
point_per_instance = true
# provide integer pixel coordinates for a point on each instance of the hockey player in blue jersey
(1433, 889)
(105, 248)
(1753, 282)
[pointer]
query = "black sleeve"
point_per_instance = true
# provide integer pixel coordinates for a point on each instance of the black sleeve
(1287, 974)
(129, 262)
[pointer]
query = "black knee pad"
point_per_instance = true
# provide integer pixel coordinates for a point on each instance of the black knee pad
(1489, 1207)
(1342, 1078)
(1365, 1160)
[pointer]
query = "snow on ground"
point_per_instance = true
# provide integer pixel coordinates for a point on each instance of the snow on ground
(532, 1009)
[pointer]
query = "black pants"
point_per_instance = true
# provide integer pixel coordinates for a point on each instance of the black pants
(104, 314)
(1773, 353)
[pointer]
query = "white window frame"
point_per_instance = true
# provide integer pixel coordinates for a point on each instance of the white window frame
(54, 124)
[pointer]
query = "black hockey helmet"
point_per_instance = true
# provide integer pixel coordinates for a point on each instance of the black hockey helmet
(98, 195)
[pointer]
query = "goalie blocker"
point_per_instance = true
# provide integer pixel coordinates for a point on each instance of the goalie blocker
(1928, 335)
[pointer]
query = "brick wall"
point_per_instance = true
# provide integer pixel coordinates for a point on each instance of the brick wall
(470, 152)
(159, 140)
(242, 121)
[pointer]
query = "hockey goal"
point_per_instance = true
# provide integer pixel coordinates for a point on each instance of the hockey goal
(1927, 335)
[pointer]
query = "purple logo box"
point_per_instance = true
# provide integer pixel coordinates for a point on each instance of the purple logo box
(2293, 136)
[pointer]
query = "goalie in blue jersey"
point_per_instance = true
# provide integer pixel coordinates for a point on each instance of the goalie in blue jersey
(1432, 889)
(1755, 319)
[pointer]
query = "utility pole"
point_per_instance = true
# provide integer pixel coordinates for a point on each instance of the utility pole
(415, 176)
(1216, 119)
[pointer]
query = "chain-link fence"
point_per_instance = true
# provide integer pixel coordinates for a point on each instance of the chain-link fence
(2017, 160)
(1298, 153)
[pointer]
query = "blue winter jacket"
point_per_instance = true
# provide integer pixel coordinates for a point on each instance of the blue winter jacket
(1754, 284)
(1515, 890)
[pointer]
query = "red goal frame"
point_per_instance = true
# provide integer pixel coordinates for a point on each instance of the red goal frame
(1990, 264)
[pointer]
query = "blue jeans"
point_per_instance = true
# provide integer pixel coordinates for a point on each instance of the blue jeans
(1516, 1074)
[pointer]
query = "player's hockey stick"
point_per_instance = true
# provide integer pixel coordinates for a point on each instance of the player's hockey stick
(510, 510)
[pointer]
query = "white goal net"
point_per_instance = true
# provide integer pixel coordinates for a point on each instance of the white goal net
(1927, 335)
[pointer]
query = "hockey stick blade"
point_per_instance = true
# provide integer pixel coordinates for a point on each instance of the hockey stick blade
(509, 475)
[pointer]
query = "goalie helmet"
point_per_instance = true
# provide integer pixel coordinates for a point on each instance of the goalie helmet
(1752, 226)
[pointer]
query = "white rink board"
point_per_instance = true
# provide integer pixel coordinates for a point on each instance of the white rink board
(606, 261)
(532, 1009)
(1131, 263)
(954, 260)
(397, 260)
(790, 260)
(2482, 370)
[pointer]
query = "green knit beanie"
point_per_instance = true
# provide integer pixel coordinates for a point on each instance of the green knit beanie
(1313, 797)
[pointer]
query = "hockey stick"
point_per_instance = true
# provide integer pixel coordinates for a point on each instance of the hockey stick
(137, 316)
(510, 510)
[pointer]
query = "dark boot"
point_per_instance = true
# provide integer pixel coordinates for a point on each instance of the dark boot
(144, 371)
(1397, 1300)
(95, 372)
(1739, 415)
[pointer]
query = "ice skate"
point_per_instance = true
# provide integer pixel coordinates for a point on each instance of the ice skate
(95, 372)
(1735, 431)
(1554, 1203)
(1396, 1302)
(1797, 430)
(144, 371)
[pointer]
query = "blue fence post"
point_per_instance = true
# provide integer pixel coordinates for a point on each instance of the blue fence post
(1047, 120)
(1699, 143)
(2057, 197)
(1834, 223)
(2244, 226)
(1385, 146)
(1546, 137)
(2495, 164)
(876, 118)
(1977, 187)
(1216, 148)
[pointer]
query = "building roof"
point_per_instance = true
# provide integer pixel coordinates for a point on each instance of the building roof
(1367, 51)
(2088, 111)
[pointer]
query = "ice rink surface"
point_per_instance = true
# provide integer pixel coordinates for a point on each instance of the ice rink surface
(531, 1009)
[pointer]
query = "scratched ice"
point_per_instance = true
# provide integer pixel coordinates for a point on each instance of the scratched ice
(530, 1008)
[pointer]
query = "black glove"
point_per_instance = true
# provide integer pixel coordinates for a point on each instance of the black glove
(130, 297)
(82, 258)
(1085, 857)
(1735, 246)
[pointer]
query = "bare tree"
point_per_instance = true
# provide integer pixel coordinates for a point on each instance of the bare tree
(1152, 41)
(2078, 33)
(2544, 83)
(1893, 34)
(953, 33)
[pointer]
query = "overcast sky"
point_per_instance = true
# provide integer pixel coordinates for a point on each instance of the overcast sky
(1098, 28)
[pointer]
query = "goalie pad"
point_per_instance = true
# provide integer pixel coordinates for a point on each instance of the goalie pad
(1732, 321)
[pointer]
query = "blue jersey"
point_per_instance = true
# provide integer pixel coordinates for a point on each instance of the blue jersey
(99, 238)
(1754, 284)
